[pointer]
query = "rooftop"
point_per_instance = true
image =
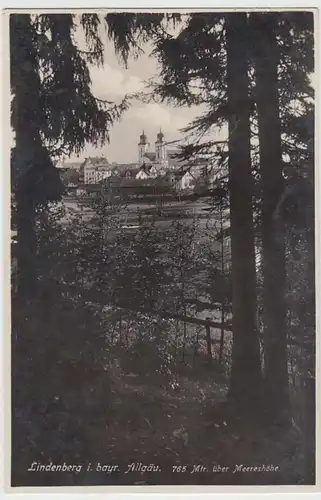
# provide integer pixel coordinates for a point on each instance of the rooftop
(96, 161)
(143, 138)
(150, 155)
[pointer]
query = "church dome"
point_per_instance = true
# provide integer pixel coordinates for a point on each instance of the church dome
(160, 136)
(143, 138)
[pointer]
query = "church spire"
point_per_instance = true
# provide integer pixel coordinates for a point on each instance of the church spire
(143, 138)
(143, 146)
(160, 136)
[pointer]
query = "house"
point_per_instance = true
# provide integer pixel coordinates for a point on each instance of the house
(127, 170)
(94, 169)
(180, 180)
(147, 171)
(185, 180)
(142, 173)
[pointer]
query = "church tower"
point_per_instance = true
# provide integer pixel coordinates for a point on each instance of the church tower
(160, 148)
(143, 147)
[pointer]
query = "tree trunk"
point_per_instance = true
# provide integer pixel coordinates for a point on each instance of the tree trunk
(209, 344)
(25, 88)
(245, 382)
(273, 238)
(26, 246)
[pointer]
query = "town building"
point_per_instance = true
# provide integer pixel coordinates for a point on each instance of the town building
(147, 172)
(153, 163)
(94, 170)
(127, 170)
(181, 179)
(162, 166)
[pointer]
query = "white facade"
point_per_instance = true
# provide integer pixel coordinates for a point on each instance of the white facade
(95, 172)
(185, 182)
(142, 174)
(143, 147)
(182, 182)
(142, 150)
(147, 172)
(94, 175)
(160, 148)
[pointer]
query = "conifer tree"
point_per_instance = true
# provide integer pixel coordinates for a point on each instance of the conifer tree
(53, 112)
(207, 64)
(272, 34)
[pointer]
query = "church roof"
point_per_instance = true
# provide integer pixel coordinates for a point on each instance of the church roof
(143, 138)
(151, 156)
(160, 136)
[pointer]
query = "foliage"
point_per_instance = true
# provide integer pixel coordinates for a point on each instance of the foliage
(128, 31)
(99, 318)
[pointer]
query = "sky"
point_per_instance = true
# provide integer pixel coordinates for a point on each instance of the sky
(112, 82)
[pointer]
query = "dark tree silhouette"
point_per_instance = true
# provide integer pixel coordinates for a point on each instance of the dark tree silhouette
(268, 53)
(53, 113)
(246, 379)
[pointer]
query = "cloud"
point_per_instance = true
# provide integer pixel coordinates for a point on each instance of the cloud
(110, 83)
(155, 115)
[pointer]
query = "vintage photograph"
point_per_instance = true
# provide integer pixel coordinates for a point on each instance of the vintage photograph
(162, 247)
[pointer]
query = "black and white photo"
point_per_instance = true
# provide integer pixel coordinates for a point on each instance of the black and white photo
(162, 248)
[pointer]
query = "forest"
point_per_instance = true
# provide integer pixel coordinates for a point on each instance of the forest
(184, 345)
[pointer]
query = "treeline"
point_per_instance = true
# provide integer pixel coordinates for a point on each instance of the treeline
(252, 73)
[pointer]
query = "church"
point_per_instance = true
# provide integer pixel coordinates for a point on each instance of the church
(157, 162)
(162, 163)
